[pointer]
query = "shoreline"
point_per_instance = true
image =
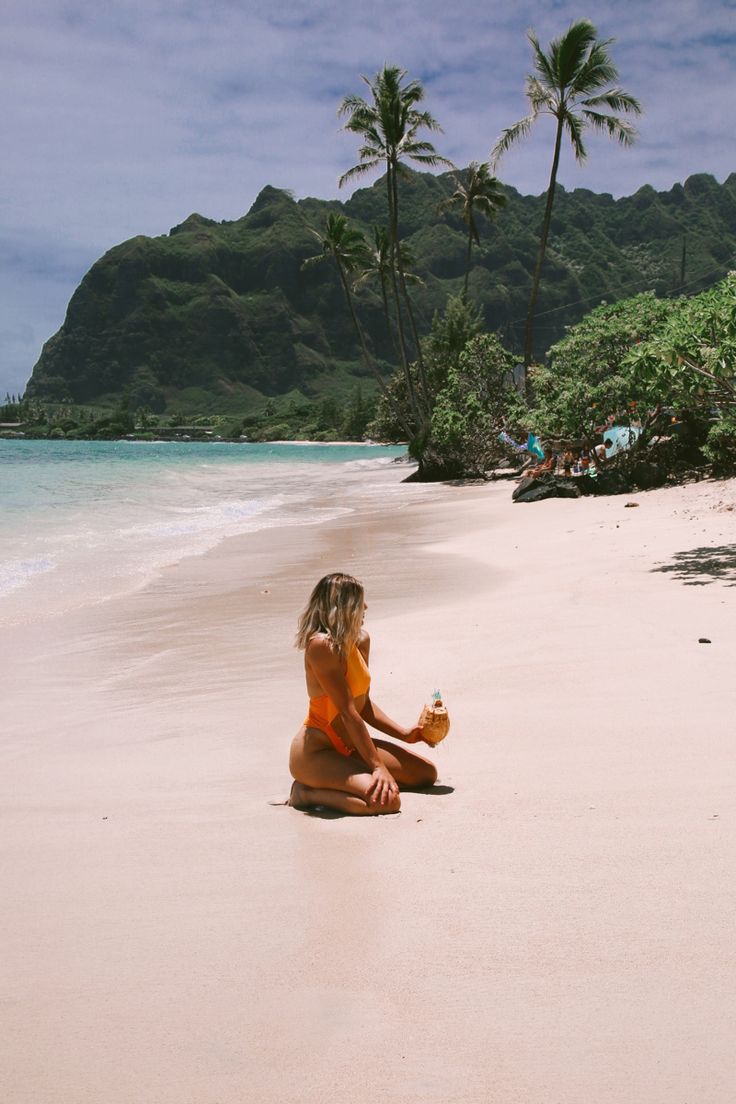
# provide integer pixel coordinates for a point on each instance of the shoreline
(62, 549)
(552, 923)
(205, 439)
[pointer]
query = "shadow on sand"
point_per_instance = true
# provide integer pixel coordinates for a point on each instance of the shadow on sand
(700, 566)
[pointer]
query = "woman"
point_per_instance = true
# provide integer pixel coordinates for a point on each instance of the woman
(334, 760)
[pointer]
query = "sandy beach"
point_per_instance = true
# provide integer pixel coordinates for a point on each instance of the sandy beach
(553, 925)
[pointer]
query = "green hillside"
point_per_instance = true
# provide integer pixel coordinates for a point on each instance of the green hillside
(216, 317)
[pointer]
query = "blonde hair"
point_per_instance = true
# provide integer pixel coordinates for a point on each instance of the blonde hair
(335, 607)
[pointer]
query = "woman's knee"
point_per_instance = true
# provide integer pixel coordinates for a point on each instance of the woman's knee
(422, 774)
(430, 775)
(393, 805)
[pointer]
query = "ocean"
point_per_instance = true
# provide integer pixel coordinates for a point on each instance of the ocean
(84, 521)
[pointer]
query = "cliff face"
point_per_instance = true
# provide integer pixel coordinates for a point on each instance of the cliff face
(221, 314)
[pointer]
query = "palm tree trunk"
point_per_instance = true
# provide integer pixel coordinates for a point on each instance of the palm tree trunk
(407, 300)
(529, 333)
(467, 261)
(387, 316)
(393, 250)
(370, 363)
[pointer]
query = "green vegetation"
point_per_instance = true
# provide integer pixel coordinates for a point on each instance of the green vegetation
(475, 190)
(666, 366)
(217, 318)
(590, 374)
(413, 331)
(477, 402)
(289, 417)
(389, 125)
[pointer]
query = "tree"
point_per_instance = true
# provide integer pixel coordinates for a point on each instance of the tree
(571, 83)
(591, 374)
(357, 415)
(389, 125)
(451, 331)
(692, 358)
(377, 266)
(478, 401)
(479, 191)
(348, 248)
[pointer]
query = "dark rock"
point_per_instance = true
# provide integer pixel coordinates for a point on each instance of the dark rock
(536, 487)
(647, 475)
(605, 483)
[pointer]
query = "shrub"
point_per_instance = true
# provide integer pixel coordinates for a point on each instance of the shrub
(720, 446)
(477, 403)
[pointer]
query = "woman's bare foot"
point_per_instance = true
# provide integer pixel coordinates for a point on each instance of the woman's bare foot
(298, 796)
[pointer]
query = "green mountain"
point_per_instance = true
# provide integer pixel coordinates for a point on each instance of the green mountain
(219, 316)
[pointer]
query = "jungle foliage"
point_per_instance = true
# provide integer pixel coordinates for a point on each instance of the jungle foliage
(219, 317)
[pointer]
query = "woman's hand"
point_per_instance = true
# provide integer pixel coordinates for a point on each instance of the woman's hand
(383, 786)
(414, 735)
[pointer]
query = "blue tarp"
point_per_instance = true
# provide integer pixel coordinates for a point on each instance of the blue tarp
(619, 439)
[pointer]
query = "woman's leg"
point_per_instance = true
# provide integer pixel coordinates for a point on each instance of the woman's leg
(307, 797)
(336, 781)
(408, 768)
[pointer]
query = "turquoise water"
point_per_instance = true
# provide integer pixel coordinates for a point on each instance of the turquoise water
(99, 517)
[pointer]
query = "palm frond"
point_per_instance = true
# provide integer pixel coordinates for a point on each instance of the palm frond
(433, 159)
(358, 170)
(423, 119)
(617, 128)
(574, 126)
(615, 99)
(541, 98)
(390, 124)
(489, 205)
(512, 134)
(597, 71)
(569, 52)
(425, 153)
(542, 64)
(351, 104)
(310, 262)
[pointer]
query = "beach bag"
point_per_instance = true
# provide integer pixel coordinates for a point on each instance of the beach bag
(434, 720)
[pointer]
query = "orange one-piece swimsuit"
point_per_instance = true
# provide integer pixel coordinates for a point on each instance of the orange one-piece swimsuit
(322, 710)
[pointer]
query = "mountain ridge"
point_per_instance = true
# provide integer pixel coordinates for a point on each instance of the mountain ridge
(222, 312)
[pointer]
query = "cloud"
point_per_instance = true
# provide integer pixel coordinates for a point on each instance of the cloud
(123, 119)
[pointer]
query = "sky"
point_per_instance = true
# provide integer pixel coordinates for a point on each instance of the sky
(122, 119)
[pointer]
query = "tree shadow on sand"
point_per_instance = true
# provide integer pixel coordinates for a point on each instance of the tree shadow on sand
(700, 566)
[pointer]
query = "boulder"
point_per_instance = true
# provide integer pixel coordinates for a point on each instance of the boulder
(536, 487)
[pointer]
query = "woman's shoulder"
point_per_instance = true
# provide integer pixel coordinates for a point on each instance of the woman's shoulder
(319, 649)
(364, 642)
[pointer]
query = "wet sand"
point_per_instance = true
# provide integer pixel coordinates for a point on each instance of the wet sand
(553, 923)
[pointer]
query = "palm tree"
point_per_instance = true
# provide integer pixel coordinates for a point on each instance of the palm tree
(389, 125)
(349, 249)
(377, 266)
(572, 82)
(477, 191)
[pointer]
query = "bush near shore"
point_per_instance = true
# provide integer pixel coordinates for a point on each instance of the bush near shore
(290, 418)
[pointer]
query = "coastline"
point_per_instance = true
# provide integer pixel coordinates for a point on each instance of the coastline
(557, 927)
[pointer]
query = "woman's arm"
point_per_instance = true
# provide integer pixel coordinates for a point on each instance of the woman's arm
(327, 669)
(379, 720)
(375, 717)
